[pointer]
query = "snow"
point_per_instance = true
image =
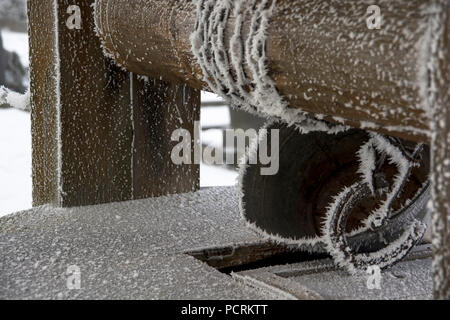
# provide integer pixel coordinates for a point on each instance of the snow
(15, 161)
(401, 282)
(211, 176)
(213, 137)
(14, 99)
(321, 279)
(136, 249)
(412, 233)
(215, 116)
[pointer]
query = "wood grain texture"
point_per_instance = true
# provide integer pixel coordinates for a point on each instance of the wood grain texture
(160, 108)
(44, 100)
(91, 120)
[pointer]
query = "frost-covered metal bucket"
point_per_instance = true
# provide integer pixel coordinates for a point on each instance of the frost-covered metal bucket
(315, 167)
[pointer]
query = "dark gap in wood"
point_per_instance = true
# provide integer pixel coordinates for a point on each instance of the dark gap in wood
(252, 256)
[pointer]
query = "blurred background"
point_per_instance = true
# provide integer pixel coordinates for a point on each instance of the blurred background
(15, 125)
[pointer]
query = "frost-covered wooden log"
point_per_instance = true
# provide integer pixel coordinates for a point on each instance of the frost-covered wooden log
(100, 134)
(322, 56)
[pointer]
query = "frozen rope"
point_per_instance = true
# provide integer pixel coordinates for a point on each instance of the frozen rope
(333, 230)
(404, 165)
(222, 60)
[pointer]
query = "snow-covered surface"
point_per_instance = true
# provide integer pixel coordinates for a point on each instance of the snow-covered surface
(215, 116)
(396, 283)
(15, 161)
(135, 249)
(320, 279)
(395, 250)
(210, 97)
(13, 14)
(130, 249)
(211, 176)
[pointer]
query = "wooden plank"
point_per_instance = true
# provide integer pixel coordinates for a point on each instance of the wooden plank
(160, 108)
(87, 127)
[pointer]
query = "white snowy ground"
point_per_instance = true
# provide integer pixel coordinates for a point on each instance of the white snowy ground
(15, 161)
(15, 143)
(214, 116)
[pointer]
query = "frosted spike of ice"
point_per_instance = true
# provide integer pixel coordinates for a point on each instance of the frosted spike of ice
(366, 155)
(395, 156)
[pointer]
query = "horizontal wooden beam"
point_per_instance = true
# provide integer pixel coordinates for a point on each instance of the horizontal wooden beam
(324, 56)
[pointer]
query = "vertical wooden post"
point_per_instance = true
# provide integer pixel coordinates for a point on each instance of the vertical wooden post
(441, 202)
(99, 133)
(440, 168)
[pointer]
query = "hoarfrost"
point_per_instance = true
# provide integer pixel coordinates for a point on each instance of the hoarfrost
(395, 250)
(226, 77)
